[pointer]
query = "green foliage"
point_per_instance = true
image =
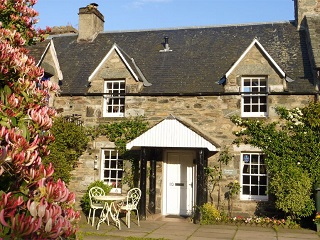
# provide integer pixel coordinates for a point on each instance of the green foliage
(70, 142)
(85, 200)
(290, 187)
(209, 214)
(234, 188)
(121, 133)
(292, 148)
(214, 174)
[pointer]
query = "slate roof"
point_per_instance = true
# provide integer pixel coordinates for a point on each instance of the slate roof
(38, 50)
(200, 57)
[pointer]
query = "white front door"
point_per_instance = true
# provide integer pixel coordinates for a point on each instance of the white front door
(179, 183)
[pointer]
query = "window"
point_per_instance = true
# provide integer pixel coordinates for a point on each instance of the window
(114, 101)
(254, 179)
(254, 96)
(112, 169)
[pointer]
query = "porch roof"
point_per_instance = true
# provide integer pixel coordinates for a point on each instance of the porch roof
(172, 133)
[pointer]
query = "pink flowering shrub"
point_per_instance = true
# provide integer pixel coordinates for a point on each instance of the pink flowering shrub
(33, 205)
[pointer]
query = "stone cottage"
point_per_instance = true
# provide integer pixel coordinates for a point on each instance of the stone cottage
(186, 83)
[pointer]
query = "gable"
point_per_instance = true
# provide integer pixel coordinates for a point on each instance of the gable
(113, 67)
(110, 54)
(171, 133)
(255, 60)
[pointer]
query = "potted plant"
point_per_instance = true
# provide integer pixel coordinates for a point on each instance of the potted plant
(317, 221)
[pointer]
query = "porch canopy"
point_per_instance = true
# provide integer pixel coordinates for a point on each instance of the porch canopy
(172, 133)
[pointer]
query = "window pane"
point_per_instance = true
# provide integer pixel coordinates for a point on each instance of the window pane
(246, 108)
(255, 108)
(263, 180)
(254, 180)
(247, 99)
(254, 158)
(246, 179)
(106, 174)
(263, 99)
(263, 169)
(245, 190)
(255, 82)
(254, 190)
(262, 190)
(246, 89)
(255, 99)
(263, 89)
(254, 169)
(247, 82)
(263, 108)
(113, 164)
(255, 89)
(246, 169)
(263, 82)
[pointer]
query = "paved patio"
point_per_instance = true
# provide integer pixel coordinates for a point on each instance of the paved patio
(159, 227)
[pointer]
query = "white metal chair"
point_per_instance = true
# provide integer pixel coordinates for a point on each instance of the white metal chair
(131, 204)
(95, 204)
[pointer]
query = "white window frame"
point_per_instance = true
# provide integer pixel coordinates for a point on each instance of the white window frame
(114, 168)
(253, 92)
(256, 166)
(113, 104)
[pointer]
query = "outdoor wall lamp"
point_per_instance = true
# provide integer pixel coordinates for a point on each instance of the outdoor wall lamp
(95, 163)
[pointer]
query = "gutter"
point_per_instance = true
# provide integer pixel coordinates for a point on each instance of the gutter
(186, 94)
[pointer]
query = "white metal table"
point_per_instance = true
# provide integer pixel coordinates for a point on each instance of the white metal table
(110, 208)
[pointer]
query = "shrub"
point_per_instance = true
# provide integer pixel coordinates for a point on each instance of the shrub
(85, 200)
(70, 143)
(209, 214)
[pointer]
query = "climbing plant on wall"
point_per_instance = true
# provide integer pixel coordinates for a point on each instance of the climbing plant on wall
(214, 175)
(121, 132)
(292, 148)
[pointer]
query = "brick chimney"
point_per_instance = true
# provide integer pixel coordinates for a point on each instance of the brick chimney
(304, 8)
(91, 22)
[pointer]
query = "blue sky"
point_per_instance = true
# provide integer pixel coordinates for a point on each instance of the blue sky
(155, 14)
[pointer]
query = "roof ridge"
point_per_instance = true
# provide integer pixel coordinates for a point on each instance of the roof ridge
(197, 27)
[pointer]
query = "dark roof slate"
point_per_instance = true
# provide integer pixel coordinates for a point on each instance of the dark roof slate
(199, 58)
(38, 50)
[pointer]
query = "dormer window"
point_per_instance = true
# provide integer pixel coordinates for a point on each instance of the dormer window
(114, 100)
(254, 96)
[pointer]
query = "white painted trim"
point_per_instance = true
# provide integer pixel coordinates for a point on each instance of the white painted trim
(114, 47)
(56, 60)
(255, 42)
(44, 53)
